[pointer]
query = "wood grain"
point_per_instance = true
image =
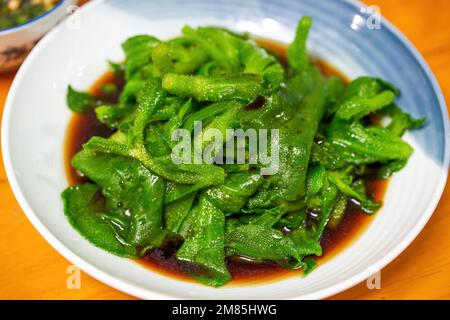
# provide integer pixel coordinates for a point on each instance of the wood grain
(31, 269)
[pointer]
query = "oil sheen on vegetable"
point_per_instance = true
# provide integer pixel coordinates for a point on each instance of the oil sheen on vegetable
(84, 126)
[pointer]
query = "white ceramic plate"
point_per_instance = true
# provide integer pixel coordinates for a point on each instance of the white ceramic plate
(36, 118)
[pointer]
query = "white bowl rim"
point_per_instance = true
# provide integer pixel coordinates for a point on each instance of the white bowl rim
(139, 292)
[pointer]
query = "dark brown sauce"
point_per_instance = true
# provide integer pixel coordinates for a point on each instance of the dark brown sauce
(243, 271)
(352, 225)
(83, 127)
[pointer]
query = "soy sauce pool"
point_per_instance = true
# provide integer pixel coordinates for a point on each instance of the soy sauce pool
(163, 261)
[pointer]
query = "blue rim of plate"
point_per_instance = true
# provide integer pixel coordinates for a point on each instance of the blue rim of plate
(428, 72)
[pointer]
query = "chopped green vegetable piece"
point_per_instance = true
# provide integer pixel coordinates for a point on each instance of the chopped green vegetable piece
(85, 213)
(364, 145)
(245, 87)
(204, 244)
(138, 51)
(338, 212)
(178, 56)
(363, 96)
(359, 107)
(232, 196)
(80, 102)
(261, 243)
(132, 192)
(176, 212)
(297, 52)
(343, 183)
(402, 121)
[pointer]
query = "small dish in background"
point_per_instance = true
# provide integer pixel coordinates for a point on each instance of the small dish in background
(18, 40)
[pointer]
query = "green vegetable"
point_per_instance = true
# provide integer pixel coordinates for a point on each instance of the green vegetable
(133, 194)
(322, 140)
(178, 56)
(232, 196)
(297, 52)
(261, 243)
(364, 145)
(80, 102)
(176, 212)
(401, 121)
(85, 213)
(221, 45)
(243, 87)
(341, 181)
(138, 52)
(364, 96)
(338, 212)
(204, 244)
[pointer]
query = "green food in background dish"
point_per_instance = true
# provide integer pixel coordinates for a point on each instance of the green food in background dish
(16, 12)
(138, 200)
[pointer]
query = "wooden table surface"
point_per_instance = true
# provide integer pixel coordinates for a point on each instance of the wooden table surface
(31, 269)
